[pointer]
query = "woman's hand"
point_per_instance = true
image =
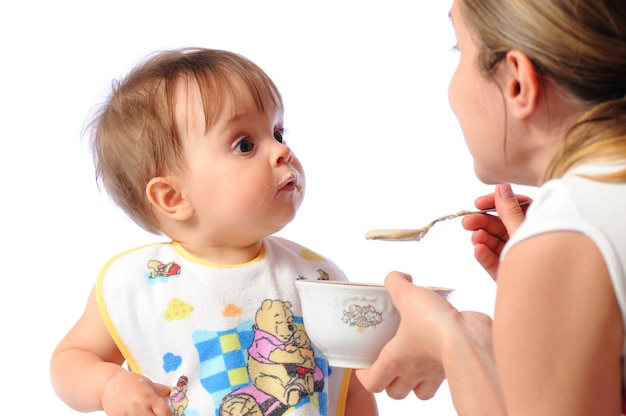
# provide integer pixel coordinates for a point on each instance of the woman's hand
(411, 360)
(432, 337)
(490, 232)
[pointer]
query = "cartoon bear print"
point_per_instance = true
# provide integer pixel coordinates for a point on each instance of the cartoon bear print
(281, 361)
(178, 396)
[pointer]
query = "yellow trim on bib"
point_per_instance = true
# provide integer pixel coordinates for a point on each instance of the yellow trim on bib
(188, 256)
(132, 363)
(343, 392)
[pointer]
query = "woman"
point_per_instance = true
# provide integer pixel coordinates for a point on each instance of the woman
(540, 94)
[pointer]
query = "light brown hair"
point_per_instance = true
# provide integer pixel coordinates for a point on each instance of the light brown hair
(134, 136)
(581, 46)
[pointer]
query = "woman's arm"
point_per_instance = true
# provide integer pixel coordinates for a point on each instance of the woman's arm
(558, 330)
(435, 339)
(555, 347)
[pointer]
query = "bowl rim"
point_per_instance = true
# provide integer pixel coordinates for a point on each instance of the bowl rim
(340, 283)
(374, 286)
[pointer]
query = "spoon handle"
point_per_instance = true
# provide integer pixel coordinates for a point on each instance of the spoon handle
(418, 233)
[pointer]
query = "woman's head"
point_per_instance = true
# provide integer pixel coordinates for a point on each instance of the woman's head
(579, 45)
(135, 135)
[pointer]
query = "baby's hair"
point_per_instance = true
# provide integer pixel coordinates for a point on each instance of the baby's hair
(581, 46)
(134, 136)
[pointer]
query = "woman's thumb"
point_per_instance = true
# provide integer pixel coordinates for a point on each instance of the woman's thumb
(508, 207)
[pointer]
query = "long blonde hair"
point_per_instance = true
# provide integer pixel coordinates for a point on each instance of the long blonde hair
(578, 44)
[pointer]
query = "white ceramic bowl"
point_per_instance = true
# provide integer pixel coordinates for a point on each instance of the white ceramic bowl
(349, 322)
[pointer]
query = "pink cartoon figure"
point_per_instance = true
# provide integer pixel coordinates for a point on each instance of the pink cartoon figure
(178, 396)
(281, 365)
(281, 361)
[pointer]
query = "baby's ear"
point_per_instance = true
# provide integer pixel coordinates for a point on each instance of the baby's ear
(167, 199)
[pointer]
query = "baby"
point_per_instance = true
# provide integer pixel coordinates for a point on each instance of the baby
(191, 145)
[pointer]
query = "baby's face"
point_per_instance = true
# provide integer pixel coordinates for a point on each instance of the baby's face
(242, 179)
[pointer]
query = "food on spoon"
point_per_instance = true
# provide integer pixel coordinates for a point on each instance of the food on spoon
(396, 234)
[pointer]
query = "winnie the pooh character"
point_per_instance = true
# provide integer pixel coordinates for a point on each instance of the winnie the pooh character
(281, 362)
(158, 269)
(178, 396)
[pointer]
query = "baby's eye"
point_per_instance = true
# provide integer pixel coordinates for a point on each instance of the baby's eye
(278, 135)
(244, 145)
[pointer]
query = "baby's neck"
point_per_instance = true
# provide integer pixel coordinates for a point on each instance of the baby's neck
(222, 254)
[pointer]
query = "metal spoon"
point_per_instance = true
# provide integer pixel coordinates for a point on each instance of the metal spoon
(419, 233)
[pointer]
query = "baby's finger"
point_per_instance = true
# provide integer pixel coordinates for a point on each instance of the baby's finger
(162, 408)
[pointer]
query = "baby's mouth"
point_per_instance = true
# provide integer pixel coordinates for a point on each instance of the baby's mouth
(290, 182)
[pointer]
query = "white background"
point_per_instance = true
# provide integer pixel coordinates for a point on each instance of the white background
(365, 88)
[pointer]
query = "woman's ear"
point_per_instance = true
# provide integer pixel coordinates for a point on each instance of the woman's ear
(167, 199)
(521, 83)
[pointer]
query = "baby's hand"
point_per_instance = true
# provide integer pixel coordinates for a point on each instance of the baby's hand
(127, 394)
